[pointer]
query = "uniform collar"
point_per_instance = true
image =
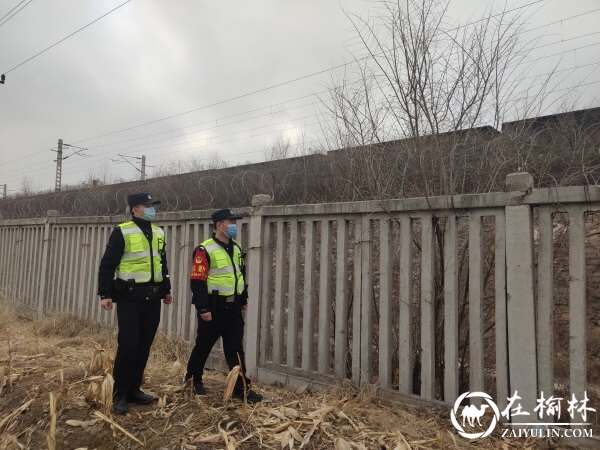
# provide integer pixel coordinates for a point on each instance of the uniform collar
(221, 243)
(143, 224)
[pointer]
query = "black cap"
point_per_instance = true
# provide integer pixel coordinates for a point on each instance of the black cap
(141, 198)
(223, 214)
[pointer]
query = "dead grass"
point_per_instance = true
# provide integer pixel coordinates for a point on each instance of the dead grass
(71, 326)
(63, 401)
(7, 314)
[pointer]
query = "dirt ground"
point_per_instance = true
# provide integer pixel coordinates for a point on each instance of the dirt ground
(53, 384)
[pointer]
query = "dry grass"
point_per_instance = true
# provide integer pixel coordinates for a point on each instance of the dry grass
(71, 326)
(7, 314)
(63, 401)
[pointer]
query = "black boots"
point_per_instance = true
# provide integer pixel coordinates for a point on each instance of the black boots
(120, 405)
(199, 388)
(251, 396)
(140, 397)
(121, 400)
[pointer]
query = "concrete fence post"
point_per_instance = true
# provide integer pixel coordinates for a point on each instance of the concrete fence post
(520, 294)
(255, 252)
(44, 268)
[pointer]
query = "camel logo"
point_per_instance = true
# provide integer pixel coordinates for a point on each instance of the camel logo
(472, 414)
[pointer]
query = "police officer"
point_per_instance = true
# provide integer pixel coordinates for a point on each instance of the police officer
(220, 294)
(133, 273)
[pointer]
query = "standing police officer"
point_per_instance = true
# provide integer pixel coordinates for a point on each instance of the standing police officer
(220, 294)
(133, 273)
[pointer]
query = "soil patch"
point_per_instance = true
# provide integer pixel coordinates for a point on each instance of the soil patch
(52, 376)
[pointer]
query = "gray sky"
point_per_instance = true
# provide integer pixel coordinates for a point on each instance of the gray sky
(192, 68)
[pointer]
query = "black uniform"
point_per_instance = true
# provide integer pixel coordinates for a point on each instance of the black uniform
(227, 322)
(138, 310)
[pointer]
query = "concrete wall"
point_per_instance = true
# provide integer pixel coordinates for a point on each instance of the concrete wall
(375, 292)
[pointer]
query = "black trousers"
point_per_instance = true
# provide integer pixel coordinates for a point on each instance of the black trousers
(138, 322)
(227, 324)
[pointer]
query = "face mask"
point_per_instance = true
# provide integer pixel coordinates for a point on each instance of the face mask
(149, 214)
(231, 230)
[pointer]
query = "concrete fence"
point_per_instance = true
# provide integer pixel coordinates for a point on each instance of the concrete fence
(427, 297)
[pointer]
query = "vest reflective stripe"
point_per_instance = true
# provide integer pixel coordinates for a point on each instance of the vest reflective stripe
(211, 247)
(222, 271)
(125, 231)
(134, 255)
(139, 260)
(139, 277)
(223, 276)
(142, 254)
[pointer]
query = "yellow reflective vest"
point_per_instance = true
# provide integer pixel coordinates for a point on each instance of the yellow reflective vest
(225, 273)
(139, 261)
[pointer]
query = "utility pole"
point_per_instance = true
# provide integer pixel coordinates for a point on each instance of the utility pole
(59, 159)
(142, 159)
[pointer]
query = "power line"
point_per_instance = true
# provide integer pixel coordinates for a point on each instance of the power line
(3, 21)
(525, 50)
(255, 135)
(21, 158)
(296, 80)
(67, 37)
(216, 121)
(251, 130)
(221, 102)
(127, 159)
(312, 103)
(14, 7)
(43, 165)
(570, 88)
(60, 158)
(563, 20)
(257, 91)
(215, 126)
(562, 70)
(562, 53)
(565, 40)
(274, 112)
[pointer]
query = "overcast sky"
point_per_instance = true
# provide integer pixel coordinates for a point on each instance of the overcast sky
(178, 80)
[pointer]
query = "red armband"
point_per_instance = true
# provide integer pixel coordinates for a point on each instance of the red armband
(200, 265)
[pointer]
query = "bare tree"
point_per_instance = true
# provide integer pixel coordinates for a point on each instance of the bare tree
(434, 92)
(280, 149)
(422, 115)
(558, 149)
(26, 188)
(194, 164)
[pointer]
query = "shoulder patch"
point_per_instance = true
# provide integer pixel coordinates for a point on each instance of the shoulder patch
(200, 265)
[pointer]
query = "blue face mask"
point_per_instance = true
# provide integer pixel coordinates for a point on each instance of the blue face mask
(149, 214)
(231, 230)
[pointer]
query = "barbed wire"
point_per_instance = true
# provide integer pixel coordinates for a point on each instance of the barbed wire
(560, 149)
